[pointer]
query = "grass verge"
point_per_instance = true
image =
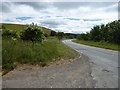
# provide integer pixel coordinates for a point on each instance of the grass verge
(19, 52)
(99, 44)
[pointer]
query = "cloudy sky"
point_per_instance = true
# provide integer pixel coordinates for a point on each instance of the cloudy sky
(68, 17)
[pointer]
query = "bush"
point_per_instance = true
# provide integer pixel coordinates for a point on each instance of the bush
(33, 33)
(10, 34)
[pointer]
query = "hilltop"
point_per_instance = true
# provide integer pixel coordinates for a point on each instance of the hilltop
(22, 27)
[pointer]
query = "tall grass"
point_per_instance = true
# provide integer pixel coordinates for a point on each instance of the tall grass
(18, 51)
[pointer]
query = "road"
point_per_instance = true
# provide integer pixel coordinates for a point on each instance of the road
(103, 62)
(95, 68)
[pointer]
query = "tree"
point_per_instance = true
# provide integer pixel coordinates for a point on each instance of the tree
(53, 33)
(106, 32)
(33, 33)
(95, 33)
(60, 35)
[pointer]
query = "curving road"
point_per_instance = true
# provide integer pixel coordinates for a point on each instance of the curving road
(103, 62)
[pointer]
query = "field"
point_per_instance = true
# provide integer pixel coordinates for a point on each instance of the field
(19, 52)
(20, 27)
(99, 44)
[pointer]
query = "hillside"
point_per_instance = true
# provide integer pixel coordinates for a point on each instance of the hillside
(21, 27)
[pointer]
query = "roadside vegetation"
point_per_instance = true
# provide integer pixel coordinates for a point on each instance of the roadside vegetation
(31, 46)
(104, 36)
(105, 45)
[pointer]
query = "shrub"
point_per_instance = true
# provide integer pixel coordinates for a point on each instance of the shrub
(10, 33)
(33, 33)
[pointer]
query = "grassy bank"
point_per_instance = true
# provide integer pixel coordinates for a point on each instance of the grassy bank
(19, 52)
(20, 27)
(99, 44)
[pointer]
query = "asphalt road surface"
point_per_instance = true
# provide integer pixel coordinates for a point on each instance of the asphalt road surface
(95, 68)
(103, 62)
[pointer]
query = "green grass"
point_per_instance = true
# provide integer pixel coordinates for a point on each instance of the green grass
(99, 44)
(21, 52)
(13, 26)
(20, 27)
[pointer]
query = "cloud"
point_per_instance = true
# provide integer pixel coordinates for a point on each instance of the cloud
(66, 5)
(6, 7)
(51, 23)
(74, 17)
(74, 5)
(35, 5)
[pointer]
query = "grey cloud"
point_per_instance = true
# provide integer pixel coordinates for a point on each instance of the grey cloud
(51, 24)
(6, 7)
(35, 5)
(66, 5)
(74, 5)
(113, 8)
(101, 4)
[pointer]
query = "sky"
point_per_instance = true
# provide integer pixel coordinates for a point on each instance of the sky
(69, 17)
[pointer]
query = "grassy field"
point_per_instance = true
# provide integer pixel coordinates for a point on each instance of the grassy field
(20, 27)
(99, 44)
(19, 52)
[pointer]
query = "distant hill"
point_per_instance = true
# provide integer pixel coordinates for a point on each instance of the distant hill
(21, 27)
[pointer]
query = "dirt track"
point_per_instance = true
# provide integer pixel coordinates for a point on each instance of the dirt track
(75, 74)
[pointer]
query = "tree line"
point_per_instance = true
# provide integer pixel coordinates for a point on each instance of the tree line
(106, 32)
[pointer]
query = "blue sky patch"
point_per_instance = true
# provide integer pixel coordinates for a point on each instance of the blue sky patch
(83, 19)
(72, 18)
(23, 18)
(92, 19)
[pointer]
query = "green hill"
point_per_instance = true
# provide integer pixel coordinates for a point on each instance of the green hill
(20, 27)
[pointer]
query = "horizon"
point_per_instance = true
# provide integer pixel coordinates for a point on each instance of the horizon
(52, 29)
(80, 16)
